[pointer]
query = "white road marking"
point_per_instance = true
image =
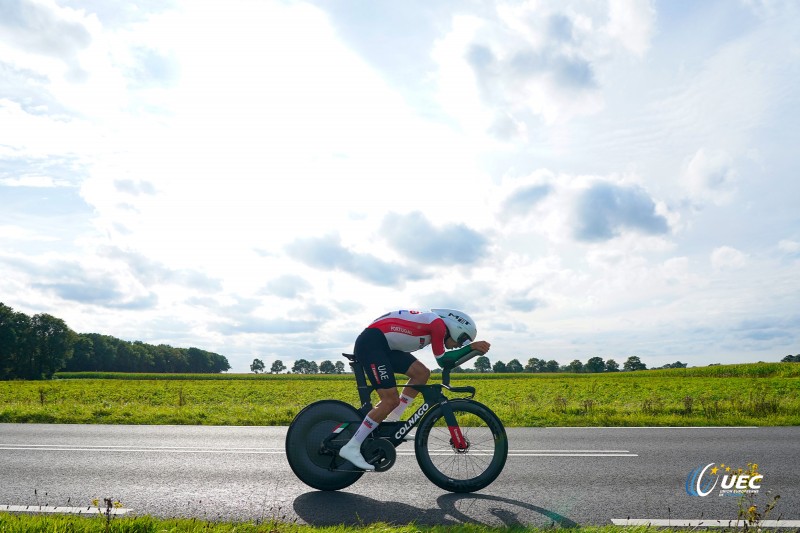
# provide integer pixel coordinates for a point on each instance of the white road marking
(570, 451)
(112, 446)
(138, 449)
(567, 454)
(278, 451)
(512, 454)
(653, 427)
(61, 510)
(701, 523)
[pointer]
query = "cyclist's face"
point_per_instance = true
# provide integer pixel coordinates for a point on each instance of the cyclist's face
(449, 343)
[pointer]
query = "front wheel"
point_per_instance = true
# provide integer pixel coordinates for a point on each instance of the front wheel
(462, 464)
(312, 445)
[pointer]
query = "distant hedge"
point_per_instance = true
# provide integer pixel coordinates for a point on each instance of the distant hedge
(37, 347)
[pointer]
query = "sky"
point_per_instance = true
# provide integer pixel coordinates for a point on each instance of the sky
(263, 178)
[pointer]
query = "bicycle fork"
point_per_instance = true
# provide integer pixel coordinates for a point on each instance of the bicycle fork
(457, 439)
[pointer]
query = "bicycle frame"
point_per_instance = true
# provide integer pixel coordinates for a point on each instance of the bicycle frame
(395, 432)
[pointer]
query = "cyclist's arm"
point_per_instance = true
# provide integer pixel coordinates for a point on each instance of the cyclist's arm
(481, 346)
(438, 332)
(454, 355)
(460, 352)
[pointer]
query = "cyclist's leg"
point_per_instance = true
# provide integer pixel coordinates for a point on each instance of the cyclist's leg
(418, 374)
(372, 351)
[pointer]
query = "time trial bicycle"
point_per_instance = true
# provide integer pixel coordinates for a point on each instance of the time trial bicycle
(460, 444)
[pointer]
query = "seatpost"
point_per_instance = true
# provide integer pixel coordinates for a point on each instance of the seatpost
(364, 390)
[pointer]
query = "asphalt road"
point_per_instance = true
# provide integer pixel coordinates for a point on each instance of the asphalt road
(560, 476)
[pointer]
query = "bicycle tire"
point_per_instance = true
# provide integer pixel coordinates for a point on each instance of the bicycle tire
(304, 438)
(462, 471)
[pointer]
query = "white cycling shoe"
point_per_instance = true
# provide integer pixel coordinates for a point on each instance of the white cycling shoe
(352, 452)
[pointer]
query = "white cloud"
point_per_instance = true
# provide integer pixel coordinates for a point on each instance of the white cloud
(17, 233)
(605, 211)
(253, 180)
(711, 177)
(728, 258)
(789, 246)
(632, 23)
(534, 58)
(588, 209)
(43, 182)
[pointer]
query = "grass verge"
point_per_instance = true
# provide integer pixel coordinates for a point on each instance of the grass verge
(765, 394)
(12, 523)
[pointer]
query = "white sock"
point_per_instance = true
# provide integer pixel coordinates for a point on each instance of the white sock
(395, 415)
(363, 431)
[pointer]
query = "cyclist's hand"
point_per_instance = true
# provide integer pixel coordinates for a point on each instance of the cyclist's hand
(481, 346)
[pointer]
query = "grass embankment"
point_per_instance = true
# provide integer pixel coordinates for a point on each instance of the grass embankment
(764, 394)
(77, 524)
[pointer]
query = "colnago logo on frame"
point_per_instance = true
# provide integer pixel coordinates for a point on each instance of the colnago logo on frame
(411, 421)
(731, 481)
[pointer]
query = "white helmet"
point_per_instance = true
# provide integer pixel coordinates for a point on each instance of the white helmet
(459, 325)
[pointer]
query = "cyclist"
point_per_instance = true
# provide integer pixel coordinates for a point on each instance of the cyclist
(383, 349)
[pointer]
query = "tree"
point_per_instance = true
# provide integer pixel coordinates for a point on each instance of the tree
(219, 363)
(482, 364)
(257, 366)
(552, 366)
(535, 365)
(339, 367)
(23, 351)
(53, 345)
(514, 366)
(499, 367)
(678, 364)
(634, 363)
(301, 366)
(82, 354)
(575, 366)
(277, 367)
(595, 365)
(9, 341)
(37, 347)
(326, 367)
(791, 359)
(612, 366)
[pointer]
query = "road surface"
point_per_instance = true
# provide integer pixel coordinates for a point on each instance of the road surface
(559, 476)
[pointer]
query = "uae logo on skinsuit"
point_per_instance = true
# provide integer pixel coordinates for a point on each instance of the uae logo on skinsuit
(380, 373)
(731, 481)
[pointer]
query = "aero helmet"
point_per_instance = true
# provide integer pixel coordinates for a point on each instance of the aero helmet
(459, 325)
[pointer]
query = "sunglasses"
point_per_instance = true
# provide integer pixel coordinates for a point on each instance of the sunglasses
(462, 339)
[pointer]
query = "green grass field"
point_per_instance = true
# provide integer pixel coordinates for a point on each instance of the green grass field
(77, 524)
(764, 394)
(757, 394)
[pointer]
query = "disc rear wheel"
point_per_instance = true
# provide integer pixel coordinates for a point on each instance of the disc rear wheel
(315, 463)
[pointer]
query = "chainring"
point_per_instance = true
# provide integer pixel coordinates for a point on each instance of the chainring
(380, 453)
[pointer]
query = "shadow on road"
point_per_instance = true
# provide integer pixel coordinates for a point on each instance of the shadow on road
(333, 508)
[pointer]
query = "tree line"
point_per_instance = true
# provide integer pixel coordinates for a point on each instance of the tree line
(301, 366)
(36, 347)
(483, 364)
(593, 365)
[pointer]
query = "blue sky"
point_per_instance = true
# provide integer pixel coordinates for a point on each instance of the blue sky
(262, 179)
